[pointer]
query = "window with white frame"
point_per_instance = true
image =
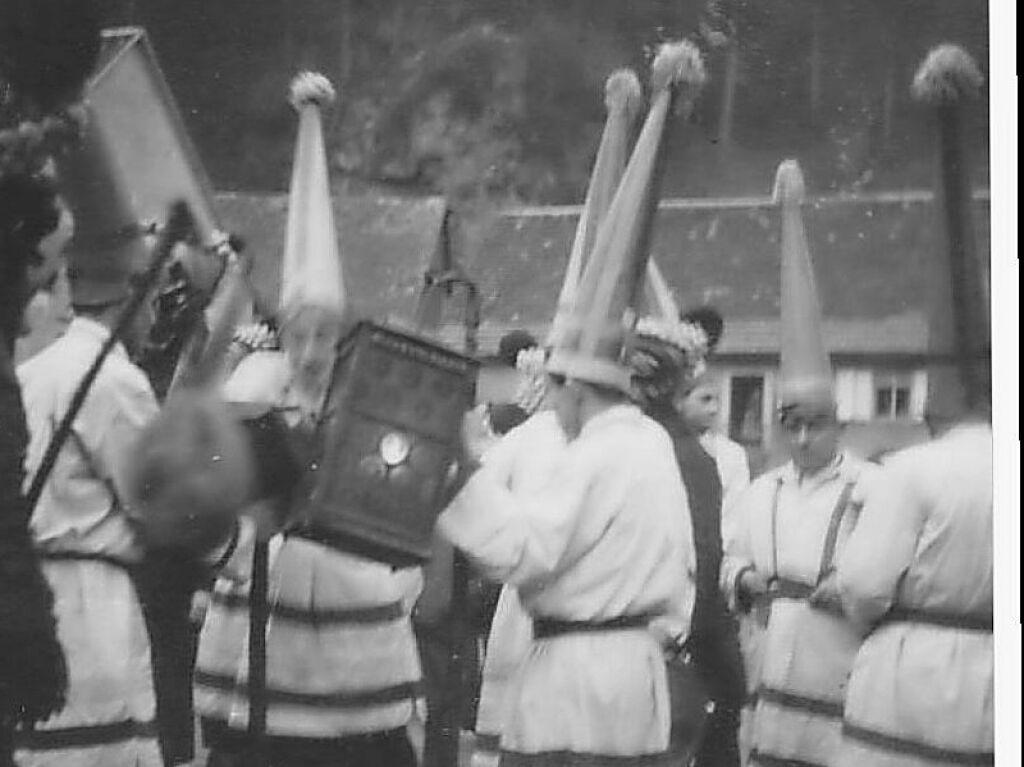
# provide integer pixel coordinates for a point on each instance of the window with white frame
(893, 396)
(865, 395)
(746, 409)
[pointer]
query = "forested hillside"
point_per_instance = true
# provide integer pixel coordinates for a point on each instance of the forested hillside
(502, 99)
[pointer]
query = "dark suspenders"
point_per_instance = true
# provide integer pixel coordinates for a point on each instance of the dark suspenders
(792, 588)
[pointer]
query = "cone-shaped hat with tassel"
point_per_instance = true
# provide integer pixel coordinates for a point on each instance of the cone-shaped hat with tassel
(107, 248)
(311, 272)
(947, 80)
(805, 375)
(592, 346)
(623, 99)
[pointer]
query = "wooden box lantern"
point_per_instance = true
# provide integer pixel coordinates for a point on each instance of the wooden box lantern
(390, 438)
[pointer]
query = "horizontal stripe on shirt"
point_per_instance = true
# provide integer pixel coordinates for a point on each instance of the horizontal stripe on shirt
(816, 706)
(577, 759)
(316, 616)
(82, 556)
(940, 619)
(487, 742)
(885, 742)
(84, 736)
(350, 699)
(760, 759)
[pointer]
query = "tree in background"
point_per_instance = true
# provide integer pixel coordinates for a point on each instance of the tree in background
(501, 99)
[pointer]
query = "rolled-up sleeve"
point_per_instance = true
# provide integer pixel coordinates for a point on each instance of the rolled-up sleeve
(514, 539)
(880, 548)
(736, 543)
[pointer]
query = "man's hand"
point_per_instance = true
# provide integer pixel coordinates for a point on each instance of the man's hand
(753, 584)
(826, 595)
(477, 435)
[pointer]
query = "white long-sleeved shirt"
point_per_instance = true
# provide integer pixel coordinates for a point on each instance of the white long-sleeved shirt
(77, 510)
(922, 693)
(609, 534)
(926, 543)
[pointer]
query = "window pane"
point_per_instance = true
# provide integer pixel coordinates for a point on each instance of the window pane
(745, 409)
(883, 402)
(902, 403)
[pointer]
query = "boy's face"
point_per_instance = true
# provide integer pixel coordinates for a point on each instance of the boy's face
(700, 407)
(310, 339)
(812, 436)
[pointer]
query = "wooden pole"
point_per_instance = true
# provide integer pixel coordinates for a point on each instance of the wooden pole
(259, 614)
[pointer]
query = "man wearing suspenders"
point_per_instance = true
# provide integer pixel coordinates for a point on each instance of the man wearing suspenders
(792, 522)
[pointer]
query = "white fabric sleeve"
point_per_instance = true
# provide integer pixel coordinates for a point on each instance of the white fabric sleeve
(261, 378)
(514, 540)
(881, 546)
(737, 555)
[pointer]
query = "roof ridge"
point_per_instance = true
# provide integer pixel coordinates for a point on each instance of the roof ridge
(898, 196)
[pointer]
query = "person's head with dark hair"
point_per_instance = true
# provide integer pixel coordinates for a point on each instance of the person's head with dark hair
(28, 212)
(709, 320)
(512, 343)
(665, 357)
(47, 50)
(506, 416)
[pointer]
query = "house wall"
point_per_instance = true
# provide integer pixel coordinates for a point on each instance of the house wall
(867, 430)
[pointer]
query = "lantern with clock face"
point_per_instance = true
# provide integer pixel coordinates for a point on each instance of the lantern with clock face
(390, 444)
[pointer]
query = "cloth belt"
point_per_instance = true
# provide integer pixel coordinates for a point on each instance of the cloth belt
(784, 588)
(546, 628)
(961, 621)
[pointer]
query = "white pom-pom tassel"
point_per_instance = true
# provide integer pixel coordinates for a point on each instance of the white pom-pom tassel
(622, 92)
(678, 63)
(947, 75)
(310, 88)
(789, 183)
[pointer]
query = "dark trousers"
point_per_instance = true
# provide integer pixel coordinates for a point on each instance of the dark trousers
(165, 585)
(720, 747)
(391, 748)
(715, 648)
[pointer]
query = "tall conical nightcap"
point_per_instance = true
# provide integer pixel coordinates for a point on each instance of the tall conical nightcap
(596, 331)
(959, 327)
(658, 295)
(805, 375)
(311, 270)
(624, 100)
(107, 248)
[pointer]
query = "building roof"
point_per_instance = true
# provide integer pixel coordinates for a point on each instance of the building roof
(872, 257)
(387, 243)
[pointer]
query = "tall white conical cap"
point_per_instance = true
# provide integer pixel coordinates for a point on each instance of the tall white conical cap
(624, 101)
(805, 374)
(592, 346)
(311, 269)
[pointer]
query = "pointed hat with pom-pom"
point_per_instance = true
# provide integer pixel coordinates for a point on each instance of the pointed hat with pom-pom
(805, 374)
(947, 81)
(107, 249)
(311, 270)
(623, 99)
(592, 347)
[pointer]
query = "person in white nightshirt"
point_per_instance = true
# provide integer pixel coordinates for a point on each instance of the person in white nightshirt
(602, 552)
(793, 522)
(918, 571)
(80, 525)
